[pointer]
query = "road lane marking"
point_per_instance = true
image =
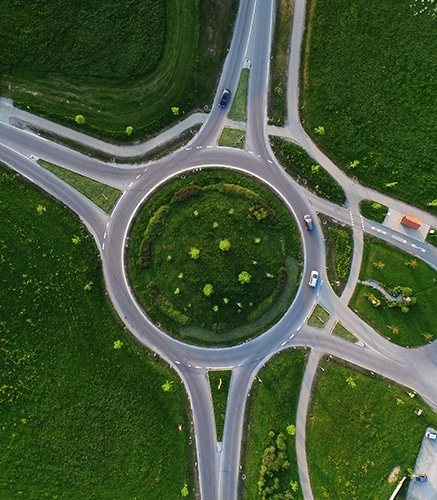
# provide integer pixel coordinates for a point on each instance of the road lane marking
(188, 149)
(208, 147)
(178, 362)
(283, 343)
(107, 224)
(378, 230)
(103, 246)
(352, 218)
(198, 147)
(398, 238)
(292, 335)
(251, 152)
(418, 248)
(270, 161)
(138, 176)
(104, 235)
(130, 184)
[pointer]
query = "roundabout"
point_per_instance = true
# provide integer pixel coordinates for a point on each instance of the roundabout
(214, 257)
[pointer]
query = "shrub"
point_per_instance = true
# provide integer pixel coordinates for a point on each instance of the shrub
(145, 252)
(187, 192)
(156, 222)
(162, 303)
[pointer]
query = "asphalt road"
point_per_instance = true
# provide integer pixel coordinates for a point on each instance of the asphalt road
(219, 463)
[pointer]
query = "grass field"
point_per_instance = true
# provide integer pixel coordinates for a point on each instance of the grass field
(219, 382)
(82, 406)
(306, 171)
(129, 82)
(392, 267)
(363, 427)
(215, 251)
(368, 78)
(272, 407)
(103, 195)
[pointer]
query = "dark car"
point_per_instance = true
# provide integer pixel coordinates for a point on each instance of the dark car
(226, 94)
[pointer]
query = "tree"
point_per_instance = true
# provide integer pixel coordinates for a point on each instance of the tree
(244, 277)
(175, 110)
(166, 386)
(224, 245)
(194, 253)
(118, 344)
(378, 265)
(129, 130)
(184, 490)
(320, 130)
(291, 429)
(208, 290)
(75, 240)
(80, 119)
(351, 382)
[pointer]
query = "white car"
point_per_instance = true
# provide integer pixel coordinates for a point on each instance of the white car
(314, 278)
(308, 221)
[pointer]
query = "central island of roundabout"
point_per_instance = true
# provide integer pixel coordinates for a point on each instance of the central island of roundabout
(214, 257)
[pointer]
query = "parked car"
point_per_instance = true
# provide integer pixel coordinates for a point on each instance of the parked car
(226, 94)
(431, 435)
(308, 221)
(314, 277)
(420, 478)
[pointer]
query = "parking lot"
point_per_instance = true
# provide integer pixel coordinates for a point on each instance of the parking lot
(426, 463)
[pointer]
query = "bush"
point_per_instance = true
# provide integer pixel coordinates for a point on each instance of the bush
(187, 192)
(145, 252)
(156, 222)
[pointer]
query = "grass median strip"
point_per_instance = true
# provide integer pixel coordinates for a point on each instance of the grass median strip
(318, 317)
(219, 382)
(232, 137)
(103, 195)
(271, 430)
(238, 111)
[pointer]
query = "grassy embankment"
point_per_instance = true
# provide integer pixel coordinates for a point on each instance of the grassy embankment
(391, 267)
(214, 257)
(368, 93)
(132, 62)
(272, 407)
(83, 409)
(363, 428)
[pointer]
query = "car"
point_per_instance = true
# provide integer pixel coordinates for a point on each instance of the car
(314, 278)
(420, 478)
(226, 94)
(431, 435)
(308, 221)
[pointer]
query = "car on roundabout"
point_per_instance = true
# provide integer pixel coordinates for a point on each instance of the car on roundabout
(314, 278)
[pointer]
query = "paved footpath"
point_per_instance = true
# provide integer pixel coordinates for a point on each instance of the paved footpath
(18, 117)
(302, 410)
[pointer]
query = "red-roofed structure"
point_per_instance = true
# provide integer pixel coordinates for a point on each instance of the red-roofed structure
(410, 221)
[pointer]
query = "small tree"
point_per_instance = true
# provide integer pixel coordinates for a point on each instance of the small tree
(184, 490)
(194, 253)
(224, 245)
(129, 130)
(80, 119)
(118, 344)
(320, 130)
(351, 382)
(244, 277)
(175, 110)
(291, 429)
(208, 290)
(378, 265)
(166, 386)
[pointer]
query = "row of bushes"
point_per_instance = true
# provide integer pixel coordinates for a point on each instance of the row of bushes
(187, 192)
(274, 461)
(304, 170)
(145, 252)
(164, 305)
(267, 303)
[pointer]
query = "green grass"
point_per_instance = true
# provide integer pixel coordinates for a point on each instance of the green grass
(232, 138)
(272, 407)
(277, 106)
(340, 331)
(363, 427)
(318, 317)
(238, 109)
(103, 195)
(181, 70)
(306, 171)
(431, 237)
(170, 283)
(80, 418)
(219, 382)
(339, 245)
(373, 210)
(416, 327)
(367, 77)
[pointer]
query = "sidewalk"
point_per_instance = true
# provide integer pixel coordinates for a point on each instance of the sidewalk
(23, 119)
